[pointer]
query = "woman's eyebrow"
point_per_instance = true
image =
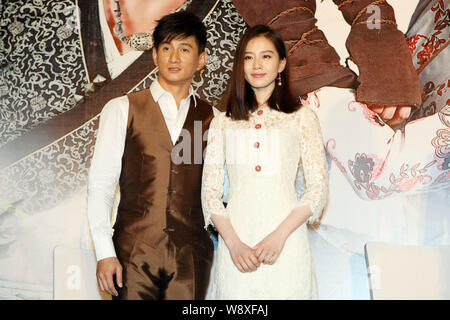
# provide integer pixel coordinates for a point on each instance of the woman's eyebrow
(261, 51)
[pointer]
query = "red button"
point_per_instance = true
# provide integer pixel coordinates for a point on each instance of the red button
(256, 145)
(260, 112)
(258, 168)
(258, 126)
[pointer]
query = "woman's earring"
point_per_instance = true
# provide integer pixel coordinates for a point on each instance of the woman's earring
(279, 79)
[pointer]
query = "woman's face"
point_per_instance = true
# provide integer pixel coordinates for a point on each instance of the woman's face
(262, 63)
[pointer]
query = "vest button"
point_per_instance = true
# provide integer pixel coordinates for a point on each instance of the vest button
(258, 126)
(256, 145)
(258, 168)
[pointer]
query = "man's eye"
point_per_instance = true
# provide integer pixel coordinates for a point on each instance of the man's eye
(185, 50)
(266, 56)
(165, 48)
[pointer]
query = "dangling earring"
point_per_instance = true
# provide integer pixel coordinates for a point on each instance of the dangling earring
(279, 79)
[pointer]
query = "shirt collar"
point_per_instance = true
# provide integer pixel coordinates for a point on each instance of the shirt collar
(158, 91)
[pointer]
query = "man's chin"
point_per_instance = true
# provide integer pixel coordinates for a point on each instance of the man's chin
(176, 79)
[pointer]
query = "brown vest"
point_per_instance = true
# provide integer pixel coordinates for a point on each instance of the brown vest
(158, 196)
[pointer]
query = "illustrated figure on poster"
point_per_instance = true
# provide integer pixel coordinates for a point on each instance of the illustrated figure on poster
(408, 180)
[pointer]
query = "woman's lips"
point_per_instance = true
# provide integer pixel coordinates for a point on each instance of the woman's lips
(258, 75)
(174, 69)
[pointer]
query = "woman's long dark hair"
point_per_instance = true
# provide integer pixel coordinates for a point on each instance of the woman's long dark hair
(241, 98)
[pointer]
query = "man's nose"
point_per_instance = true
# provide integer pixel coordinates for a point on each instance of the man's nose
(174, 56)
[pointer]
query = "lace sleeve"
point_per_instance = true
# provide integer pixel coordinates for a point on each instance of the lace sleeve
(315, 168)
(213, 172)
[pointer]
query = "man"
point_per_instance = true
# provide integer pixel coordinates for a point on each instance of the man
(59, 149)
(163, 251)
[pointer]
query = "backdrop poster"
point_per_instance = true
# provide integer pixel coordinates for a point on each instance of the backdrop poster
(61, 61)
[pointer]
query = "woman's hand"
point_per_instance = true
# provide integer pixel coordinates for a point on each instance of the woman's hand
(268, 250)
(243, 257)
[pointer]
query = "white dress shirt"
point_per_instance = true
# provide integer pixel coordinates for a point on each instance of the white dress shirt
(107, 159)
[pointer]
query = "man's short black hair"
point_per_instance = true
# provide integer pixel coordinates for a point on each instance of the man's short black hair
(180, 25)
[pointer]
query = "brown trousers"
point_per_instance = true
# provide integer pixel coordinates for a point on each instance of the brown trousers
(167, 272)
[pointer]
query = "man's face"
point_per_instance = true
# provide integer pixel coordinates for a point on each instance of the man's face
(178, 60)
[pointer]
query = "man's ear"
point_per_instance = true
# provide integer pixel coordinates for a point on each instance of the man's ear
(203, 57)
(282, 65)
(155, 56)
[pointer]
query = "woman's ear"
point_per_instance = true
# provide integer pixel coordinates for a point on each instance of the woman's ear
(282, 65)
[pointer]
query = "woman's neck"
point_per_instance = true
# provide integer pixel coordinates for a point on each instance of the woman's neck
(263, 94)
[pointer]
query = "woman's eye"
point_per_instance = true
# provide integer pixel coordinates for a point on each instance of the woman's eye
(247, 57)
(266, 56)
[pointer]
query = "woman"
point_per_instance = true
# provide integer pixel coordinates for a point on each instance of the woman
(263, 138)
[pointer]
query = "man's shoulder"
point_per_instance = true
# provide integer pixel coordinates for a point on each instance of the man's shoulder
(115, 104)
(115, 109)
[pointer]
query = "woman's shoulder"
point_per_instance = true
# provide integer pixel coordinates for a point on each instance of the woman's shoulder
(305, 112)
(217, 112)
(219, 119)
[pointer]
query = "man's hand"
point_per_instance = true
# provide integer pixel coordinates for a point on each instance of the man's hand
(106, 269)
(391, 115)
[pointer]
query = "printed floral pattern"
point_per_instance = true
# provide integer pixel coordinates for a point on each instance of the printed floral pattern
(407, 179)
(431, 45)
(361, 168)
(442, 145)
(383, 171)
(40, 64)
(428, 44)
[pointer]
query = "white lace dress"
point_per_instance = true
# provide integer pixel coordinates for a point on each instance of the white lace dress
(262, 156)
